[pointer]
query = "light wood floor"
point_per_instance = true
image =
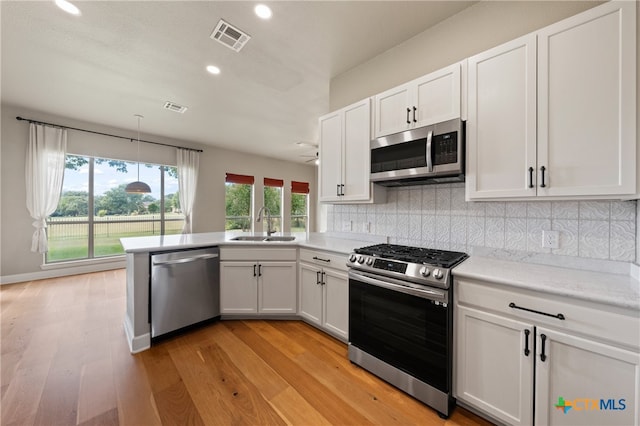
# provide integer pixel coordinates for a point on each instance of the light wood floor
(65, 361)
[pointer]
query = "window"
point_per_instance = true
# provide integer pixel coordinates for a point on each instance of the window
(273, 202)
(299, 206)
(94, 211)
(238, 202)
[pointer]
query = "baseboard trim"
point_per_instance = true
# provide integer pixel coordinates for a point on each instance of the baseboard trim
(137, 343)
(62, 272)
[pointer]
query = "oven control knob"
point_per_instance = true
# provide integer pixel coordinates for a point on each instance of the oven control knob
(369, 261)
(360, 259)
(424, 271)
(352, 258)
(437, 274)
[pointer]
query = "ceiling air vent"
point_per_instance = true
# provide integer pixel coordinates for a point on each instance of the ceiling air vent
(230, 36)
(171, 106)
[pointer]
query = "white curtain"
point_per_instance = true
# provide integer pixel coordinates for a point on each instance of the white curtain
(188, 163)
(44, 173)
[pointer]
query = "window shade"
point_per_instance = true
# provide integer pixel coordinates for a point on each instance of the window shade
(299, 187)
(243, 179)
(279, 183)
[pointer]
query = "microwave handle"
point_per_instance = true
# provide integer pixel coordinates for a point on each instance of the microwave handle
(429, 159)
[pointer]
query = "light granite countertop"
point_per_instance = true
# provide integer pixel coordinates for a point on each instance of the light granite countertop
(612, 289)
(313, 240)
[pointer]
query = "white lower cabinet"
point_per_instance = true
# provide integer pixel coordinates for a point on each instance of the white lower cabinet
(493, 373)
(600, 381)
(324, 292)
(524, 367)
(258, 286)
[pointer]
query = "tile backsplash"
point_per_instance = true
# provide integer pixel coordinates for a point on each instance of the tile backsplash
(437, 216)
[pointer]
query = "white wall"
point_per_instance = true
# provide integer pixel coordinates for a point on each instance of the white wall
(479, 27)
(209, 209)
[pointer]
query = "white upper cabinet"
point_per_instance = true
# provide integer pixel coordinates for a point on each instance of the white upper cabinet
(426, 100)
(501, 125)
(553, 114)
(587, 103)
(345, 156)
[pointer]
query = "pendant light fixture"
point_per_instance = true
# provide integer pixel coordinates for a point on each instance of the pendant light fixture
(138, 187)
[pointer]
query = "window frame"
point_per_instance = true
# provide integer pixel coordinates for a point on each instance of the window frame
(91, 221)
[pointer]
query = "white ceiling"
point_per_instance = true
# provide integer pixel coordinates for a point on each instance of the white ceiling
(121, 58)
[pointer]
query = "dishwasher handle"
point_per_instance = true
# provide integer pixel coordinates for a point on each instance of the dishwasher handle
(186, 259)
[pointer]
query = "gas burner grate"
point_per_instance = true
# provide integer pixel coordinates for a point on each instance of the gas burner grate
(441, 258)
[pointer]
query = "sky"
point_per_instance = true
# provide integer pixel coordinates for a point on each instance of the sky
(106, 177)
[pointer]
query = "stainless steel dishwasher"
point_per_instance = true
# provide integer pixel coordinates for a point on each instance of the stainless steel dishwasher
(185, 289)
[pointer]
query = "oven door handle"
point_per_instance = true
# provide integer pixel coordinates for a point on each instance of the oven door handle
(397, 285)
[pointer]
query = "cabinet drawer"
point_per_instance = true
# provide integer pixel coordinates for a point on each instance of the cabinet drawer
(323, 258)
(604, 322)
(257, 254)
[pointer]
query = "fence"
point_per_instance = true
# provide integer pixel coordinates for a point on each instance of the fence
(64, 228)
(69, 236)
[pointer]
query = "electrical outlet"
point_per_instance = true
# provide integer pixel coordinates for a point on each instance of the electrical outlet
(347, 226)
(367, 227)
(550, 239)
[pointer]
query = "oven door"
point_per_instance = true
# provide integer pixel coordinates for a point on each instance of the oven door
(402, 325)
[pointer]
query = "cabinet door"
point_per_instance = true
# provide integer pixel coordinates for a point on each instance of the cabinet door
(493, 372)
(501, 125)
(330, 154)
(336, 303)
(393, 111)
(437, 97)
(310, 293)
(277, 288)
(587, 103)
(356, 161)
(238, 288)
(579, 373)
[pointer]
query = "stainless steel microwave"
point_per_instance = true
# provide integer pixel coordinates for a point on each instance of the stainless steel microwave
(430, 154)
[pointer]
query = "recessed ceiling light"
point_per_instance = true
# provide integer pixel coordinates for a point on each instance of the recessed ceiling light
(68, 7)
(213, 69)
(263, 11)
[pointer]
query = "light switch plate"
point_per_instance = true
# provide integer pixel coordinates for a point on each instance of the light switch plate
(551, 239)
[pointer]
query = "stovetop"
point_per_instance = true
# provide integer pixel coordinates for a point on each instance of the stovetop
(419, 255)
(415, 264)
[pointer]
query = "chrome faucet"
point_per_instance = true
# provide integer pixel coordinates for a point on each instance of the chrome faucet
(265, 209)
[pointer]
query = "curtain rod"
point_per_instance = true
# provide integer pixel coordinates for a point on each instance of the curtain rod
(104, 134)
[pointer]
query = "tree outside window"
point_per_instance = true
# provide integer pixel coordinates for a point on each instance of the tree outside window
(273, 202)
(299, 206)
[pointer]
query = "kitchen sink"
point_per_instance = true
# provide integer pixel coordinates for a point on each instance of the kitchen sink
(277, 238)
(263, 238)
(248, 238)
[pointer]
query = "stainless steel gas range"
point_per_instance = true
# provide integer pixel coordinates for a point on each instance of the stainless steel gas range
(401, 318)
